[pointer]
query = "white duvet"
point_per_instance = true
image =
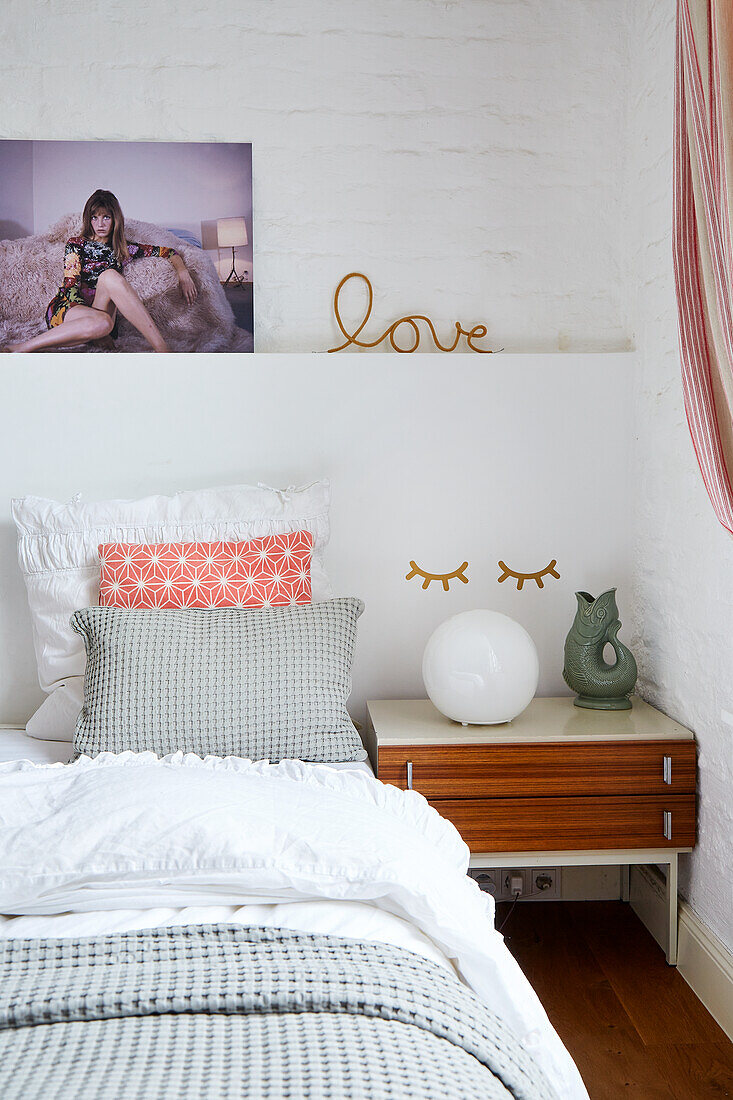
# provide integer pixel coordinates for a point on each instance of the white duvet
(131, 841)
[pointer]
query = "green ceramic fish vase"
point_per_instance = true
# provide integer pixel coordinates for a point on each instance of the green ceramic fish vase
(600, 686)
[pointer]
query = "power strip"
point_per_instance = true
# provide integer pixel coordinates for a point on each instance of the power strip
(537, 883)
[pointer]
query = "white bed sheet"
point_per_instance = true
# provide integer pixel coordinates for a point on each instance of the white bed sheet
(355, 920)
(15, 744)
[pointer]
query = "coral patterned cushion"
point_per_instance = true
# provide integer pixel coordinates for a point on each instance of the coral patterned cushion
(267, 572)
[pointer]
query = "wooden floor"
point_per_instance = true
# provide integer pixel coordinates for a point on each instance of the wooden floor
(632, 1024)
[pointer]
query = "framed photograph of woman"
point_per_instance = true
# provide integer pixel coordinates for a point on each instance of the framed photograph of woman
(160, 260)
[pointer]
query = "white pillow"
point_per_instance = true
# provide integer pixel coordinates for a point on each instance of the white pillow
(59, 558)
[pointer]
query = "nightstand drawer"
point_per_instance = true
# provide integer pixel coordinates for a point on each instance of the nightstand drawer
(552, 768)
(528, 824)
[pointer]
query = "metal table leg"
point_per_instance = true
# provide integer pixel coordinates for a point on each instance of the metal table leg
(625, 887)
(671, 891)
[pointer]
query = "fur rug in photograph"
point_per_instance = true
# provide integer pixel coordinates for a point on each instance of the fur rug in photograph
(31, 271)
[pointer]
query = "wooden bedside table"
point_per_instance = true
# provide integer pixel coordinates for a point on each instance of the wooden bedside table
(558, 785)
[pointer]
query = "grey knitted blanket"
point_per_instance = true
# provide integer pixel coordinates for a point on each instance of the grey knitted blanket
(221, 1011)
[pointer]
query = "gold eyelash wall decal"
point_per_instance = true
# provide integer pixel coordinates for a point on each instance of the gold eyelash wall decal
(444, 578)
(520, 578)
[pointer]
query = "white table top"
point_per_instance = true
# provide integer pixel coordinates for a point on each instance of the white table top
(417, 722)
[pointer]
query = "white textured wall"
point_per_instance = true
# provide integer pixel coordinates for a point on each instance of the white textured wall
(465, 155)
(683, 590)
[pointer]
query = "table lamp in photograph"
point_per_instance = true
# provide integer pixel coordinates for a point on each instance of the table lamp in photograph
(231, 233)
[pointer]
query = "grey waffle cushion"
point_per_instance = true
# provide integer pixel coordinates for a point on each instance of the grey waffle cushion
(270, 683)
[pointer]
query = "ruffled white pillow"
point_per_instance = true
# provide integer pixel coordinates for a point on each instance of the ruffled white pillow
(58, 551)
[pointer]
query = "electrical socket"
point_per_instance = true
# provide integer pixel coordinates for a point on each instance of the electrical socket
(514, 883)
(487, 880)
(538, 883)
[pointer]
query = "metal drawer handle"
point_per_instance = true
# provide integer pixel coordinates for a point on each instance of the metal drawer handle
(667, 824)
(667, 769)
(409, 775)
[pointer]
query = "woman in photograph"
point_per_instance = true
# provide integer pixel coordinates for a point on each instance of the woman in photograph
(94, 288)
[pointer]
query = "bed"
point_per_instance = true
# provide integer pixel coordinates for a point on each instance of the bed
(288, 875)
(179, 919)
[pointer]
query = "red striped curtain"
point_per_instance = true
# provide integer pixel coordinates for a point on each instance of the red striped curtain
(703, 252)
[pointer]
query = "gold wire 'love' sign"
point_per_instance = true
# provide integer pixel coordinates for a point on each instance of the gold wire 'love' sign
(475, 333)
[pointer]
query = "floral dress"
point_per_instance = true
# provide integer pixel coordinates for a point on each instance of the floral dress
(84, 262)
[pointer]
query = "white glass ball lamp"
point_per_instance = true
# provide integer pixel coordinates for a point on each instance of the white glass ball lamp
(480, 668)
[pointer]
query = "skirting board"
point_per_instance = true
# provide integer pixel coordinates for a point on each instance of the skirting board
(704, 962)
